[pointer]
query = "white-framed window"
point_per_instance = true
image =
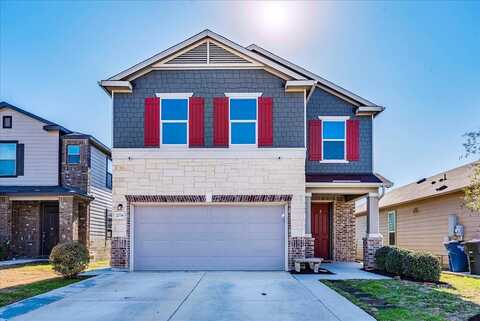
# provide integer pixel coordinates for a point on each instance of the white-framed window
(174, 119)
(392, 228)
(243, 119)
(334, 141)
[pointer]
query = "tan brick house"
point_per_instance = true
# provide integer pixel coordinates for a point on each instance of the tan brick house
(230, 157)
(55, 186)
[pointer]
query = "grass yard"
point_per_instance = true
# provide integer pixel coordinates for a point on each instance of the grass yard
(395, 300)
(24, 281)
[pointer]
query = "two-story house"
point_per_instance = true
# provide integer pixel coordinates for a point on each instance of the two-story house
(232, 158)
(55, 186)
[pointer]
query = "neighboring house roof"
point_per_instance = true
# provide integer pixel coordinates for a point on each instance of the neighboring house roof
(41, 191)
(95, 142)
(436, 185)
(121, 82)
(49, 125)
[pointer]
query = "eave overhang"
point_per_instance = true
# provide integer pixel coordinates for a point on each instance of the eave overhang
(299, 85)
(118, 86)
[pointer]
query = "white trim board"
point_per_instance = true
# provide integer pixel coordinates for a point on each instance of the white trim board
(208, 153)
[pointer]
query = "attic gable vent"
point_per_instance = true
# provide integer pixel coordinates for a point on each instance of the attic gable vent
(218, 55)
(197, 55)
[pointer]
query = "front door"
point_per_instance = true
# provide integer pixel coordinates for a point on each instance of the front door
(321, 229)
(49, 227)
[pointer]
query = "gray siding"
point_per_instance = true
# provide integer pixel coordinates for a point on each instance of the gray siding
(98, 189)
(41, 150)
(325, 104)
(288, 117)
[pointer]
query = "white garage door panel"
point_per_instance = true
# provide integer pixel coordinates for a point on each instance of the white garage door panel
(209, 238)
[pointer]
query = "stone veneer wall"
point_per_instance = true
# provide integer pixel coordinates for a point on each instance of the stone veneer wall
(26, 228)
(370, 246)
(201, 172)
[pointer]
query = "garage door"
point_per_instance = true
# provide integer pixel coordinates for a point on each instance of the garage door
(208, 238)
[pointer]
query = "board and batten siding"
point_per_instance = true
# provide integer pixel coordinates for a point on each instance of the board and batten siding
(103, 198)
(423, 225)
(41, 165)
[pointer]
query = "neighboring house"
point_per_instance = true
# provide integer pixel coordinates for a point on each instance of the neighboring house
(420, 215)
(229, 157)
(55, 186)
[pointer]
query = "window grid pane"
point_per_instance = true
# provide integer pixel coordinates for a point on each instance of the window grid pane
(174, 109)
(333, 130)
(243, 109)
(174, 133)
(8, 151)
(243, 133)
(334, 150)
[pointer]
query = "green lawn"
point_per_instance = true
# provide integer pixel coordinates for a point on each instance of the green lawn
(24, 281)
(14, 294)
(394, 300)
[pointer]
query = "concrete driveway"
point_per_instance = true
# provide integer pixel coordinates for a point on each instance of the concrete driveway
(193, 296)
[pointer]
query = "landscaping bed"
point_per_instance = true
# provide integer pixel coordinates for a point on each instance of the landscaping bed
(455, 298)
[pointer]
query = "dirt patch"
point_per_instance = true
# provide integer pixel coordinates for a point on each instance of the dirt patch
(18, 275)
(365, 297)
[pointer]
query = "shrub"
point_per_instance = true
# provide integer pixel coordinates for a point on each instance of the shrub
(69, 258)
(422, 266)
(4, 250)
(381, 256)
(394, 260)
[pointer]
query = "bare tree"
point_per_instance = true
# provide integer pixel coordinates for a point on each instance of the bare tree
(472, 192)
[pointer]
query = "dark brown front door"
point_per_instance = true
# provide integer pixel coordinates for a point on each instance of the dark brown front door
(321, 229)
(49, 227)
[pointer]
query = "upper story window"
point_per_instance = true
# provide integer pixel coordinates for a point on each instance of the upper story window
(243, 121)
(108, 182)
(392, 228)
(8, 159)
(73, 154)
(7, 122)
(333, 139)
(174, 121)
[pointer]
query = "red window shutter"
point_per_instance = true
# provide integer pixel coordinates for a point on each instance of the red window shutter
(151, 129)
(220, 121)
(265, 121)
(353, 140)
(196, 122)
(315, 140)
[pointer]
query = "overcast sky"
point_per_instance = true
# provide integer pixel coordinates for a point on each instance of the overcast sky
(419, 60)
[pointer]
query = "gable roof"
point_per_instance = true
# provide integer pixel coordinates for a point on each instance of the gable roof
(192, 40)
(49, 125)
(120, 82)
(440, 184)
(321, 82)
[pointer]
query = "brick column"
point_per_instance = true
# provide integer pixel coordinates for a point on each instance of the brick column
(68, 219)
(5, 218)
(373, 239)
(344, 245)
